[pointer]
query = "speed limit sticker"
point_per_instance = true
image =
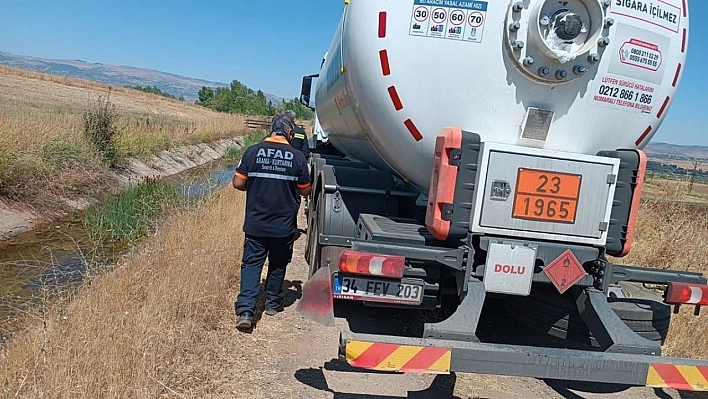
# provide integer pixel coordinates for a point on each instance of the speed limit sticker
(450, 19)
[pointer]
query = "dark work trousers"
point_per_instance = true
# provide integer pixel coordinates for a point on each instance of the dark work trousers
(255, 249)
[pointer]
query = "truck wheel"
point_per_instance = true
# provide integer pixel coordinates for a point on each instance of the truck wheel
(312, 254)
(547, 311)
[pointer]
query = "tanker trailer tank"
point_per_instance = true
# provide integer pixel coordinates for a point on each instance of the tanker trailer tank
(580, 77)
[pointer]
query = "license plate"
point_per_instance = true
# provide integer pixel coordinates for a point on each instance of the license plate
(377, 290)
(546, 196)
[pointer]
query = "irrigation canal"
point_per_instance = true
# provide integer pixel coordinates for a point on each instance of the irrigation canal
(47, 260)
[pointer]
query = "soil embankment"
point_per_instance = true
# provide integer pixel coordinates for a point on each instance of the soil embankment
(16, 218)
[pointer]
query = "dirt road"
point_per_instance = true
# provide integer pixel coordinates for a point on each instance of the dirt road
(288, 356)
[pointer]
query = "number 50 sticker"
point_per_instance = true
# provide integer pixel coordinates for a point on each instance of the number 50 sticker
(439, 15)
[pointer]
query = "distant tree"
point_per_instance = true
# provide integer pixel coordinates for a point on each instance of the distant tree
(237, 97)
(153, 90)
(300, 110)
(692, 175)
(205, 94)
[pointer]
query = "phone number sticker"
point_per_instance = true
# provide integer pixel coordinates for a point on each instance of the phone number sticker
(449, 19)
(640, 54)
(624, 94)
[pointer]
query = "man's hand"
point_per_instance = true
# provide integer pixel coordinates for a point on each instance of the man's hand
(239, 182)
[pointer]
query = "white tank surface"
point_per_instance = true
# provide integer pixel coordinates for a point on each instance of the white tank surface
(572, 75)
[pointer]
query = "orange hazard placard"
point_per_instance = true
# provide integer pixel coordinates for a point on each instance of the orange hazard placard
(546, 196)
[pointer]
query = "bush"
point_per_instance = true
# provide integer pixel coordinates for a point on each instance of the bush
(101, 130)
(155, 90)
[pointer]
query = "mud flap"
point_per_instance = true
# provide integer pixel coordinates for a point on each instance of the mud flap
(317, 303)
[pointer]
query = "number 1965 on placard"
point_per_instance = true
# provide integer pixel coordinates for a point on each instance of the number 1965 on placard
(546, 196)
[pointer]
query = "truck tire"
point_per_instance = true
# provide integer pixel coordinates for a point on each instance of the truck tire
(314, 248)
(557, 315)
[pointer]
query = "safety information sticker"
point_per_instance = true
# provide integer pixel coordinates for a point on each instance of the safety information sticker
(624, 94)
(640, 54)
(449, 19)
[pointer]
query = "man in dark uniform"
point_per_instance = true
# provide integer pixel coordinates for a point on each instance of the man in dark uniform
(274, 177)
(299, 135)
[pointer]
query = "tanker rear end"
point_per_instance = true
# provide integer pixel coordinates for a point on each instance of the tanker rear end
(493, 149)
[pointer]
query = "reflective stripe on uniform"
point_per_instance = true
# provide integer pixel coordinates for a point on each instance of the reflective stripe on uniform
(272, 176)
(299, 136)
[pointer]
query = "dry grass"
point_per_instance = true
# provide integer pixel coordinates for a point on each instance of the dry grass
(38, 108)
(136, 330)
(674, 235)
(43, 151)
(677, 190)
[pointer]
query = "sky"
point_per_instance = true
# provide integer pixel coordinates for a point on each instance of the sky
(265, 44)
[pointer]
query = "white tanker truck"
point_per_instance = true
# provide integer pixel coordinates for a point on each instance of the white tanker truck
(493, 149)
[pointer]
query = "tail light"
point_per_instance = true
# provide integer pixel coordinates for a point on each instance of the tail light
(689, 294)
(371, 264)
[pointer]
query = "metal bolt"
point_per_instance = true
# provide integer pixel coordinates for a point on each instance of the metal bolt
(529, 61)
(579, 69)
(544, 70)
(518, 6)
(514, 26)
(604, 41)
(609, 22)
(593, 57)
(517, 44)
(561, 74)
(606, 3)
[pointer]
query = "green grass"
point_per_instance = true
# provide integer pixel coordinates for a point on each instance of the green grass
(6, 161)
(62, 152)
(233, 154)
(131, 214)
(142, 145)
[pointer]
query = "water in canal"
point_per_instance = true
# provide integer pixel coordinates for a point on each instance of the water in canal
(45, 261)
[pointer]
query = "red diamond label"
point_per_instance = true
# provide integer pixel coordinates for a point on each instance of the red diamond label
(565, 271)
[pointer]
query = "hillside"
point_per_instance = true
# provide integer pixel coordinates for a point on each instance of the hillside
(48, 166)
(117, 75)
(677, 152)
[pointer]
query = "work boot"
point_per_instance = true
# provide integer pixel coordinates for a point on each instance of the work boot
(272, 311)
(245, 321)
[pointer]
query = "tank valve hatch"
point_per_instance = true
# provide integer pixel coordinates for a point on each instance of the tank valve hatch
(557, 41)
